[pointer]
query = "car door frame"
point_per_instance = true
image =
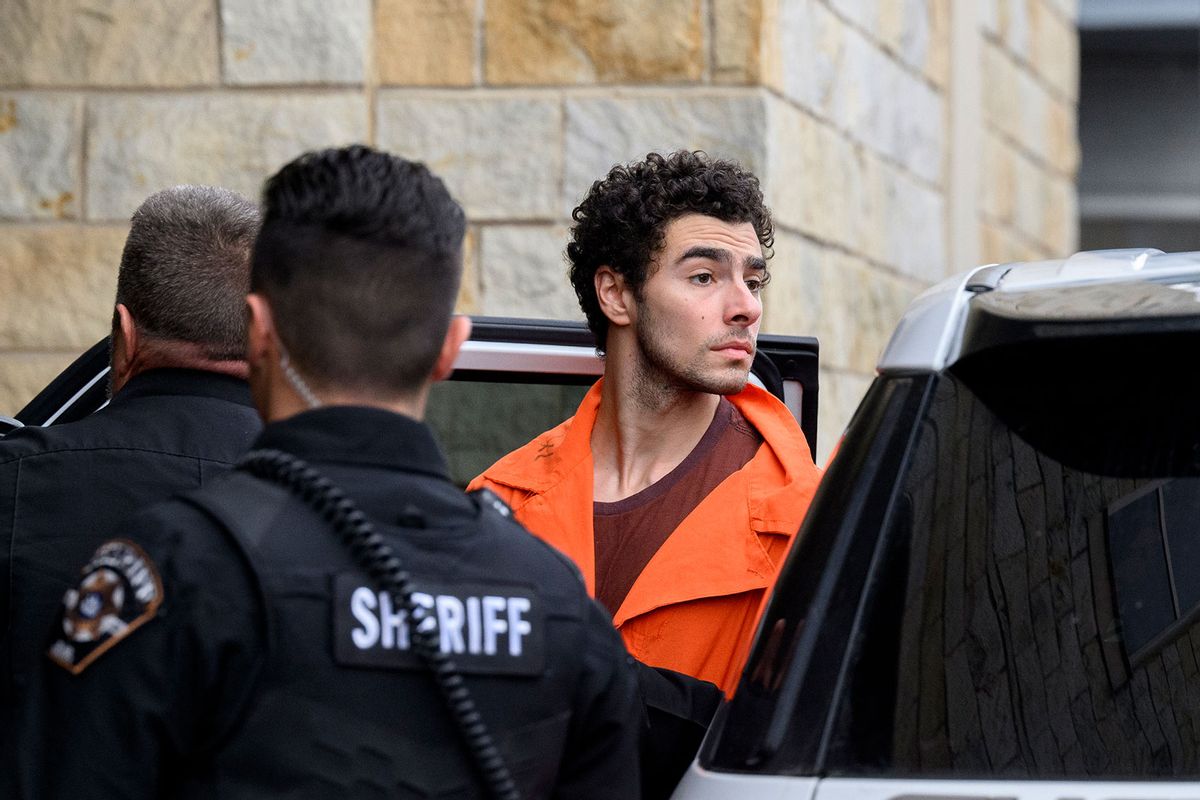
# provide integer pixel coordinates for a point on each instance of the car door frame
(500, 348)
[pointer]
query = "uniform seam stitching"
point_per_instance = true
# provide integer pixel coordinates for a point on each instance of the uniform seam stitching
(109, 448)
(12, 534)
(269, 625)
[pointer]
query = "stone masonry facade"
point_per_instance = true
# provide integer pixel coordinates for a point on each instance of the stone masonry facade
(845, 108)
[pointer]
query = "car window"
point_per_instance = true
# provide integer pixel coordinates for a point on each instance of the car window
(998, 577)
(1040, 620)
(776, 722)
(1153, 580)
(477, 422)
(518, 378)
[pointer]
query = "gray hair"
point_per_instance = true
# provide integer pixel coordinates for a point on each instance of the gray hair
(185, 270)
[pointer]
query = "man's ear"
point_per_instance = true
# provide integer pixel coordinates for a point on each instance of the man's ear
(458, 332)
(125, 343)
(260, 331)
(614, 295)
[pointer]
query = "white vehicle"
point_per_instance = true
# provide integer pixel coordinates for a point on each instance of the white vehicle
(996, 592)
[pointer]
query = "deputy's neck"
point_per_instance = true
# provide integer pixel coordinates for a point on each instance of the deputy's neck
(277, 398)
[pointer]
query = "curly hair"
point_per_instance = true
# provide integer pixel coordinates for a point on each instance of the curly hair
(622, 221)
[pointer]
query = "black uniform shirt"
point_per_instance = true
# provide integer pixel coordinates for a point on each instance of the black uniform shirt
(152, 715)
(64, 489)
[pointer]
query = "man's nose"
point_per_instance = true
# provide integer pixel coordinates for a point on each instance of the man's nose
(743, 307)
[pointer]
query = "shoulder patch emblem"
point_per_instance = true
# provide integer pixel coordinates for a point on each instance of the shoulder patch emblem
(118, 592)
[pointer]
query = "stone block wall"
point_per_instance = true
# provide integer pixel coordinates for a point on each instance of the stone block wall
(844, 108)
(1030, 146)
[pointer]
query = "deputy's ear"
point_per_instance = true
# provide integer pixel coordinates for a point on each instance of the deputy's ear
(614, 295)
(458, 333)
(125, 342)
(260, 330)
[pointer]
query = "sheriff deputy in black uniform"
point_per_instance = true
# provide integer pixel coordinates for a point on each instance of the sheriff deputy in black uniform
(279, 631)
(180, 413)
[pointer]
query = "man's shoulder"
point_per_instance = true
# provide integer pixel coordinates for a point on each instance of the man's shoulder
(775, 423)
(26, 442)
(242, 505)
(531, 551)
(196, 425)
(191, 537)
(205, 428)
(528, 467)
(542, 463)
(181, 534)
(781, 478)
(92, 432)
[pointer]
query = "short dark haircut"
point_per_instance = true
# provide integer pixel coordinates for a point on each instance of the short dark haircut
(622, 221)
(185, 269)
(360, 256)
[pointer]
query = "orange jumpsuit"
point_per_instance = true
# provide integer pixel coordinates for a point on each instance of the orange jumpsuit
(695, 606)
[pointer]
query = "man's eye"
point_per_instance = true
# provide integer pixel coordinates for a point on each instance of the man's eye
(702, 279)
(756, 285)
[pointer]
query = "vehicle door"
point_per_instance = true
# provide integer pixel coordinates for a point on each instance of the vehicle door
(995, 594)
(516, 378)
(74, 393)
(513, 379)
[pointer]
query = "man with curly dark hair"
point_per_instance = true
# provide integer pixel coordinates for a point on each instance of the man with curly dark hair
(677, 486)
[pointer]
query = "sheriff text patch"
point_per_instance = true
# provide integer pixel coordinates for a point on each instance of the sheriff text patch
(488, 630)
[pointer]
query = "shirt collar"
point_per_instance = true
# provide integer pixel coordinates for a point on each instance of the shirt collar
(193, 382)
(357, 435)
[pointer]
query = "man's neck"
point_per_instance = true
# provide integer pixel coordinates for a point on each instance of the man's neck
(178, 357)
(643, 432)
(278, 398)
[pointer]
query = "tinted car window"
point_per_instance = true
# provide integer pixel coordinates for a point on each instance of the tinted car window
(952, 606)
(777, 721)
(1141, 570)
(1181, 521)
(477, 422)
(1043, 632)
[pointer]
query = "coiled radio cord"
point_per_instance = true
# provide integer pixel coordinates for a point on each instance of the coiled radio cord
(379, 561)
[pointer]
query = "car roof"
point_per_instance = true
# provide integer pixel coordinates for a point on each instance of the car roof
(1091, 288)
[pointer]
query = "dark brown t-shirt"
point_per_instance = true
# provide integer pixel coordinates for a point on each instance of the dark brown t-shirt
(629, 532)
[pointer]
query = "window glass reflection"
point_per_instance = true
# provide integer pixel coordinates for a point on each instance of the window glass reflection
(1016, 631)
(1181, 512)
(477, 422)
(1139, 564)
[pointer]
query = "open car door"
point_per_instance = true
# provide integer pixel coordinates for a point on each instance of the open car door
(513, 379)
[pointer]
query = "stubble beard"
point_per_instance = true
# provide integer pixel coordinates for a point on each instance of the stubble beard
(662, 376)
